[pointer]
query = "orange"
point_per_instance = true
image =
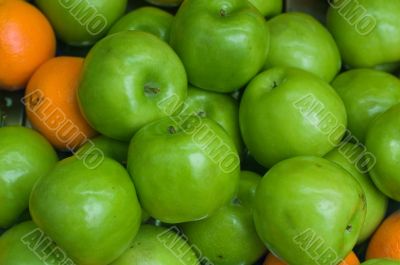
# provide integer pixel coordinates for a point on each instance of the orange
(52, 106)
(385, 243)
(351, 259)
(26, 41)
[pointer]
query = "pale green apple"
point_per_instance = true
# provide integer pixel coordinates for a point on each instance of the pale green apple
(351, 157)
(383, 141)
(149, 19)
(299, 40)
(221, 108)
(366, 94)
(367, 32)
(222, 43)
(268, 8)
(158, 246)
(309, 210)
(286, 112)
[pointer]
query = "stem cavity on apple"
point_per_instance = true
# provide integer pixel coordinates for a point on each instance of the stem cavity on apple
(151, 90)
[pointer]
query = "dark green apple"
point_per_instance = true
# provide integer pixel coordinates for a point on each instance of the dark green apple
(268, 8)
(124, 78)
(26, 244)
(82, 23)
(93, 214)
(184, 168)
(381, 262)
(222, 43)
(351, 157)
(229, 237)
(299, 40)
(383, 141)
(247, 187)
(367, 32)
(366, 93)
(221, 108)
(149, 19)
(286, 112)
(25, 156)
(117, 150)
(309, 210)
(158, 245)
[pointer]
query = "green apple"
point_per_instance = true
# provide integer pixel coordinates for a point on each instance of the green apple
(381, 262)
(366, 93)
(149, 19)
(229, 237)
(79, 22)
(286, 112)
(247, 187)
(268, 8)
(184, 168)
(383, 141)
(158, 245)
(299, 40)
(25, 156)
(109, 147)
(93, 214)
(26, 244)
(309, 210)
(123, 82)
(366, 31)
(222, 43)
(165, 3)
(223, 109)
(351, 157)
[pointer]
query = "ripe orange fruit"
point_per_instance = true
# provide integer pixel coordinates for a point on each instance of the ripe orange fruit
(26, 41)
(351, 259)
(52, 106)
(385, 243)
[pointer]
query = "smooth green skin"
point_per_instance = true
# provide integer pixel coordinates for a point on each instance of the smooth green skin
(268, 8)
(381, 262)
(100, 205)
(360, 50)
(223, 109)
(347, 156)
(157, 246)
(320, 197)
(287, 120)
(25, 156)
(366, 94)
(111, 148)
(165, 3)
(383, 141)
(299, 40)
(178, 172)
(229, 237)
(222, 44)
(247, 187)
(125, 76)
(14, 252)
(149, 19)
(74, 20)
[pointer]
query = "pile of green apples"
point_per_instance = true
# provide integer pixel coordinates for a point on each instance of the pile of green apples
(192, 109)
